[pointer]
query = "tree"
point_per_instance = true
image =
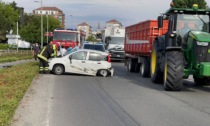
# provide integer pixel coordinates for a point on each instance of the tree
(8, 19)
(189, 3)
(91, 38)
(31, 30)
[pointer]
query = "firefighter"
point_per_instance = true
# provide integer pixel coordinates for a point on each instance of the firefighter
(54, 50)
(46, 53)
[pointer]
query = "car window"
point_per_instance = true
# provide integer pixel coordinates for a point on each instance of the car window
(94, 56)
(79, 55)
(94, 47)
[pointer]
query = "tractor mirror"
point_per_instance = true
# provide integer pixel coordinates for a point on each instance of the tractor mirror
(160, 21)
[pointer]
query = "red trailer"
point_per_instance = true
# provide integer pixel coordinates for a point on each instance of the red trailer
(138, 45)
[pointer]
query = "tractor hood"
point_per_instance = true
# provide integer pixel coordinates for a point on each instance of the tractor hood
(200, 36)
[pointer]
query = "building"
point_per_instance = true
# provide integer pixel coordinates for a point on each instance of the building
(113, 23)
(52, 11)
(86, 28)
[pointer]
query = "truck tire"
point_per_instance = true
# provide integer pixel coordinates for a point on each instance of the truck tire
(138, 66)
(155, 70)
(131, 65)
(145, 68)
(201, 81)
(173, 71)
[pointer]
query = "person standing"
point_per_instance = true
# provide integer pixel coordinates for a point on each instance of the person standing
(46, 53)
(63, 50)
(36, 50)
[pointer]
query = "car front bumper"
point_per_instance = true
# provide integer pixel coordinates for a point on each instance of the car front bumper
(111, 71)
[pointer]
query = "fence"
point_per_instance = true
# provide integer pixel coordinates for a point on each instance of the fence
(14, 52)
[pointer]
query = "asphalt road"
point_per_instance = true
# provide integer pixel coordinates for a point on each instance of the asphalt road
(123, 100)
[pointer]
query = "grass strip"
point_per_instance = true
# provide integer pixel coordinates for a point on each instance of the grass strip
(10, 57)
(14, 82)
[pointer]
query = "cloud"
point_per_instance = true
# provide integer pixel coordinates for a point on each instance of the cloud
(93, 11)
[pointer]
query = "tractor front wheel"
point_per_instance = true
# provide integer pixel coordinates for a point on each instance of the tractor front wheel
(173, 71)
(155, 70)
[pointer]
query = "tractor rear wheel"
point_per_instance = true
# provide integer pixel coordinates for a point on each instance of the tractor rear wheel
(173, 71)
(155, 70)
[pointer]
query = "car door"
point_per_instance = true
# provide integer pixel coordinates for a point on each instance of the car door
(77, 62)
(93, 63)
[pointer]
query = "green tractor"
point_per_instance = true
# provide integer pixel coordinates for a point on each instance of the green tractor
(184, 50)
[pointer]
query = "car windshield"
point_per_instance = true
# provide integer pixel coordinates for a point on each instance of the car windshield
(186, 22)
(116, 40)
(94, 47)
(64, 36)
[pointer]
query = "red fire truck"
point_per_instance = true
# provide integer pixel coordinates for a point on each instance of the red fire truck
(67, 38)
(138, 45)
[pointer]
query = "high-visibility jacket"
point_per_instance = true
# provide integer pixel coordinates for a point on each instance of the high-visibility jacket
(46, 53)
(54, 50)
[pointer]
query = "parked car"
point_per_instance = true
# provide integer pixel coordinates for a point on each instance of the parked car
(83, 61)
(117, 53)
(94, 46)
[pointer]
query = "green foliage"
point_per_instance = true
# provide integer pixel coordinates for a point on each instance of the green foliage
(189, 3)
(91, 38)
(14, 56)
(14, 82)
(31, 30)
(8, 18)
(4, 46)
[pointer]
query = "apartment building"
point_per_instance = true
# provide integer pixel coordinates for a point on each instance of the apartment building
(51, 11)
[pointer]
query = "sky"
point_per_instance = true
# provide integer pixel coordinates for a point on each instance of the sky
(127, 12)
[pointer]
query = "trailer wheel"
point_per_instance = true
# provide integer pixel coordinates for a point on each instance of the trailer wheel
(131, 65)
(155, 71)
(201, 81)
(145, 68)
(173, 71)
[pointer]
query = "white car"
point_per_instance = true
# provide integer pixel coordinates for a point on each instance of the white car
(83, 61)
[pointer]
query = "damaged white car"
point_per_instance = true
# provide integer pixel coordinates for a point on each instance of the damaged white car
(83, 61)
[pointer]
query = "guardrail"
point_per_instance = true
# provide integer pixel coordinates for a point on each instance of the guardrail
(11, 52)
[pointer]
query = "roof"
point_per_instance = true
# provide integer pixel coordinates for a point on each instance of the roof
(83, 24)
(186, 11)
(113, 21)
(49, 8)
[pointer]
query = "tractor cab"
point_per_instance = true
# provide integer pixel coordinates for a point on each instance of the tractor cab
(185, 48)
(182, 21)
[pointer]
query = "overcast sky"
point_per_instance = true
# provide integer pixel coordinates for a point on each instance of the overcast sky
(93, 11)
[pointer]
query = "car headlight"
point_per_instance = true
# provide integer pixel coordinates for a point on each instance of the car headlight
(202, 43)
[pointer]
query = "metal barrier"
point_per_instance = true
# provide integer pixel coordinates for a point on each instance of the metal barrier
(11, 52)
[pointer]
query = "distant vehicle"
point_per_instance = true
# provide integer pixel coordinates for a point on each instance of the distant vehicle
(117, 53)
(94, 46)
(67, 37)
(83, 61)
(113, 39)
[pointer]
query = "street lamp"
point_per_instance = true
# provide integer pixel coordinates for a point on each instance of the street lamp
(47, 28)
(17, 36)
(71, 21)
(41, 23)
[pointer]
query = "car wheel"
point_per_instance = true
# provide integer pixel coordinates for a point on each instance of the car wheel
(103, 73)
(58, 69)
